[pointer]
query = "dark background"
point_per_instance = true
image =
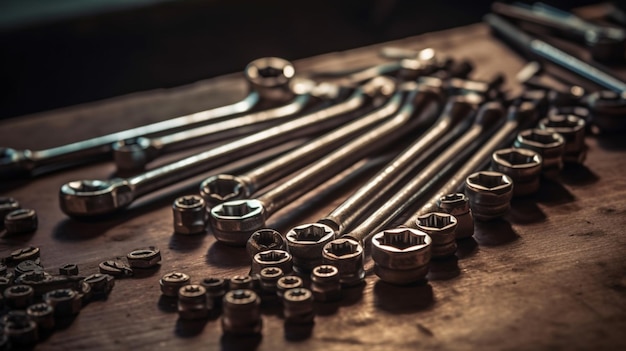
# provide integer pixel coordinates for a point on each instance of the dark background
(91, 50)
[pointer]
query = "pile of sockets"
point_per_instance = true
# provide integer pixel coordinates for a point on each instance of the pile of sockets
(542, 151)
(34, 301)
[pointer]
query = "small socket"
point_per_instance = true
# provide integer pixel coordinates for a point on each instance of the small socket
(189, 215)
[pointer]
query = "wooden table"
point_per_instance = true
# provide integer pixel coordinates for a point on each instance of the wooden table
(552, 276)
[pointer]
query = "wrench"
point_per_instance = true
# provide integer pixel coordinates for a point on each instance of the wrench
(519, 117)
(311, 243)
(234, 221)
(489, 115)
(408, 67)
(457, 110)
(135, 153)
(539, 48)
(226, 187)
(269, 79)
(98, 197)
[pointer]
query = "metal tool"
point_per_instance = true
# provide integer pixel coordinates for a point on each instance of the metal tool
(234, 221)
(407, 66)
(457, 110)
(541, 49)
(134, 153)
(226, 187)
(489, 194)
(310, 244)
(606, 43)
(519, 116)
(268, 77)
(522, 165)
(242, 313)
(441, 227)
(487, 118)
(401, 255)
(97, 197)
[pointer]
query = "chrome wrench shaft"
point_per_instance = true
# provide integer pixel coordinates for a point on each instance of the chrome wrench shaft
(268, 77)
(98, 197)
(234, 221)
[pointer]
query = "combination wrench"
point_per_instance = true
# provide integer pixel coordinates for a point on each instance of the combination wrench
(307, 253)
(486, 122)
(220, 188)
(234, 221)
(269, 80)
(98, 197)
(519, 117)
(458, 109)
(134, 153)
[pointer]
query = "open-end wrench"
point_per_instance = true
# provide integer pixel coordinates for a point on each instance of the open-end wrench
(519, 117)
(269, 79)
(234, 221)
(227, 187)
(135, 153)
(487, 118)
(98, 197)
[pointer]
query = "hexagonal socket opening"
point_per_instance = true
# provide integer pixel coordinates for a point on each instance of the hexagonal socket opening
(238, 209)
(488, 180)
(272, 256)
(310, 233)
(435, 220)
(401, 239)
(541, 137)
(516, 157)
(343, 248)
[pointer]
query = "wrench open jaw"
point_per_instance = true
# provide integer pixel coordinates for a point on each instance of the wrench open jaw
(269, 80)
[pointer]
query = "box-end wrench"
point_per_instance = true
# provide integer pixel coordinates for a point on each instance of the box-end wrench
(519, 116)
(227, 187)
(98, 197)
(269, 80)
(486, 121)
(308, 253)
(133, 154)
(234, 221)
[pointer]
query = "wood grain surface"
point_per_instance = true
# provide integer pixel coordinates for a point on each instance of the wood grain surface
(551, 276)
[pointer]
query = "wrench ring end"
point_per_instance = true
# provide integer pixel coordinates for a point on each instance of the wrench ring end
(133, 154)
(221, 188)
(233, 222)
(86, 198)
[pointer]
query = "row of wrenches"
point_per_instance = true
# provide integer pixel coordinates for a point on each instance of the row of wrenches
(456, 125)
